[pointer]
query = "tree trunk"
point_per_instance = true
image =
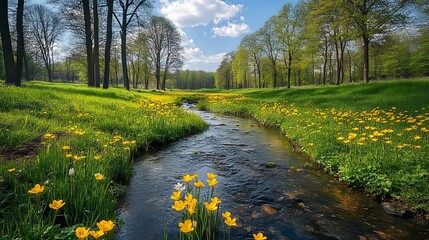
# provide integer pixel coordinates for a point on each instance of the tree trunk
(88, 43)
(20, 42)
(365, 59)
(289, 70)
(337, 58)
(9, 62)
(96, 45)
(108, 44)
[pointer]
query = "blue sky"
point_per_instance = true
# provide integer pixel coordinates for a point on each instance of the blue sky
(212, 28)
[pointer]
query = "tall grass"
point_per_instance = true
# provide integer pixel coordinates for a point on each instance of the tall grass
(373, 136)
(78, 143)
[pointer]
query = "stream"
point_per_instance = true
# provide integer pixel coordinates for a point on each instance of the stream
(282, 202)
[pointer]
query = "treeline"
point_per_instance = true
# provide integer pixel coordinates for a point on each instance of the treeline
(109, 42)
(332, 42)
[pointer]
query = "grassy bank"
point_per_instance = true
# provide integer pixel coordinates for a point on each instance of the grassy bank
(373, 136)
(77, 143)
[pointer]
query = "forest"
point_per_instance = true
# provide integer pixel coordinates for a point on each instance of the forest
(331, 42)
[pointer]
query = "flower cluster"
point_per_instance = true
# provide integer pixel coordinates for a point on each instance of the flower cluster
(199, 211)
(103, 227)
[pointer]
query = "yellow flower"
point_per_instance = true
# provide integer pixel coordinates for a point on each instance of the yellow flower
(36, 189)
(351, 136)
(417, 137)
(99, 176)
(191, 208)
(212, 182)
(105, 226)
(56, 204)
(186, 226)
(187, 178)
(216, 200)
(189, 197)
(226, 214)
(82, 232)
(199, 184)
(97, 157)
(176, 195)
(211, 175)
(69, 155)
(211, 206)
(65, 147)
(231, 222)
(11, 169)
(96, 234)
(49, 136)
(340, 138)
(178, 205)
(259, 236)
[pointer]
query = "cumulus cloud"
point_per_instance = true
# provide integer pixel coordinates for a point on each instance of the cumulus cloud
(193, 13)
(231, 30)
(195, 59)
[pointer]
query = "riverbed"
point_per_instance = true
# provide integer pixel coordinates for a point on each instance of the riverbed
(292, 200)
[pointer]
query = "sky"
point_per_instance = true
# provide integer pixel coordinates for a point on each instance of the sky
(212, 28)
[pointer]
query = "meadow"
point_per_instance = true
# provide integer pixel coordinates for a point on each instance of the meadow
(66, 155)
(373, 136)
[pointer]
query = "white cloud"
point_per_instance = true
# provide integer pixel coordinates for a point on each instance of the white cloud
(242, 18)
(196, 60)
(231, 30)
(198, 12)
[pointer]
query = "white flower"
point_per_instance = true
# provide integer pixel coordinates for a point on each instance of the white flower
(71, 171)
(47, 182)
(179, 187)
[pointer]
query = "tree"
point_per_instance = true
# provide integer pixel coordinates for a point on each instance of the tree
(8, 57)
(96, 44)
(129, 11)
(88, 43)
(270, 46)
(289, 32)
(254, 49)
(223, 76)
(20, 42)
(163, 43)
(373, 18)
(45, 27)
(240, 67)
(108, 44)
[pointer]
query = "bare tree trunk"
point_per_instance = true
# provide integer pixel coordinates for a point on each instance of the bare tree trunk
(108, 44)
(9, 61)
(96, 45)
(20, 42)
(366, 59)
(88, 43)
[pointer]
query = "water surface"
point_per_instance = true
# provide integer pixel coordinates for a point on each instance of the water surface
(280, 202)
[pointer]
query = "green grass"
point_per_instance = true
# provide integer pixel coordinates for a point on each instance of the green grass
(104, 130)
(373, 136)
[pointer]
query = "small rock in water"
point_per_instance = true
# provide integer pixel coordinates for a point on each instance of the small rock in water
(396, 209)
(268, 209)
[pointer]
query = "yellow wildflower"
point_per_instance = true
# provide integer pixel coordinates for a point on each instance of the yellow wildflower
(49, 136)
(96, 234)
(186, 226)
(97, 157)
(69, 155)
(199, 184)
(231, 222)
(259, 236)
(82, 233)
(65, 147)
(212, 206)
(105, 226)
(226, 214)
(178, 205)
(11, 169)
(187, 178)
(212, 182)
(176, 195)
(99, 176)
(417, 137)
(56, 204)
(211, 175)
(36, 189)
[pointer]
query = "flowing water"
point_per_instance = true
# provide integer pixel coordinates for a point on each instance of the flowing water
(281, 202)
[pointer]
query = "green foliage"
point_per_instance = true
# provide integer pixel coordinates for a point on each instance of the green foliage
(69, 135)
